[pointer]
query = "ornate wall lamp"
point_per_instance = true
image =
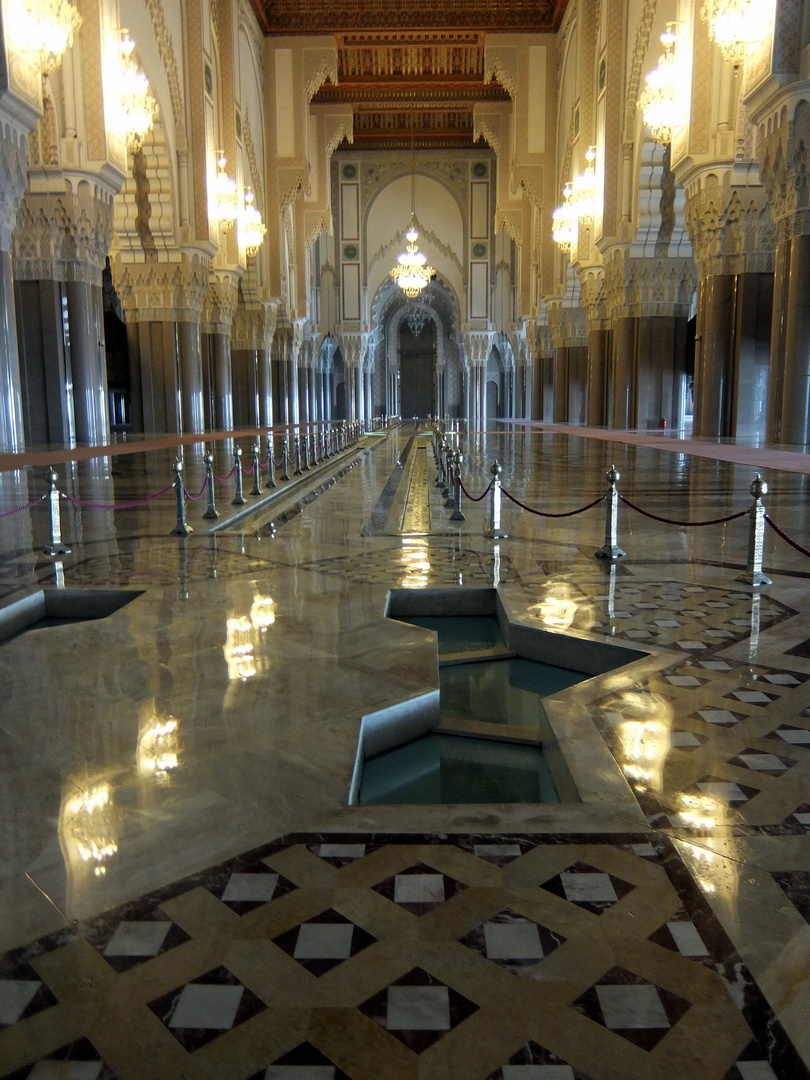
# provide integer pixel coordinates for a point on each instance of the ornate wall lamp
(226, 199)
(564, 221)
(252, 228)
(134, 108)
(736, 26)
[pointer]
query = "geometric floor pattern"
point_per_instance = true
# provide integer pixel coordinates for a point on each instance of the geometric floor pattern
(367, 956)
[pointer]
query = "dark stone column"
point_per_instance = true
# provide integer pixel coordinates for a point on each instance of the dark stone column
(598, 341)
(191, 374)
(791, 320)
(561, 363)
(714, 356)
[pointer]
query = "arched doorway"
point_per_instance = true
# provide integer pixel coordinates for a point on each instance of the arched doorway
(417, 367)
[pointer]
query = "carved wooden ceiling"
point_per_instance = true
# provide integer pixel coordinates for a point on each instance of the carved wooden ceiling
(413, 71)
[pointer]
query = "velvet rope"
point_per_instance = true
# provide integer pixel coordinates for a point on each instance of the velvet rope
(545, 513)
(786, 538)
(115, 506)
(223, 479)
(479, 497)
(28, 506)
(686, 524)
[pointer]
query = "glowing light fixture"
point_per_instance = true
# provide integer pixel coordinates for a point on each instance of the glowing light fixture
(43, 29)
(564, 221)
(583, 193)
(736, 26)
(412, 273)
(416, 317)
(134, 107)
(226, 199)
(253, 228)
(662, 101)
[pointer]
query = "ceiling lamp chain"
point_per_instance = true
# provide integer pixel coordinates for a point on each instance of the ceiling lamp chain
(412, 273)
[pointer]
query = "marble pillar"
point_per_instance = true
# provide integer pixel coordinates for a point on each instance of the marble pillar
(790, 344)
(11, 411)
(220, 346)
(191, 377)
(42, 340)
(714, 355)
(263, 361)
(245, 387)
(598, 347)
(88, 362)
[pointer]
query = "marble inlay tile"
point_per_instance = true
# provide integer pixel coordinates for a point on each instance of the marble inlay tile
(200, 1011)
(534, 1062)
(588, 887)
(305, 1062)
(419, 888)
(324, 942)
(515, 943)
(418, 1009)
(634, 1008)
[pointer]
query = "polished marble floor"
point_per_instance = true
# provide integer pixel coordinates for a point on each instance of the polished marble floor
(184, 889)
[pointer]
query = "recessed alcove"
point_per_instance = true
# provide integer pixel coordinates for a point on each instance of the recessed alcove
(485, 735)
(47, 608)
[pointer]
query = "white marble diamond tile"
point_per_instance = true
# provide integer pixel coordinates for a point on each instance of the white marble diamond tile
(54, 1069)
(782, 678)
(645, 851)
(803, 819)
(300, 1072)
(718, 634)
(250, 887)
(202, 1005)
(683, 680)
(631, 1007)
(691, 645)
(692, 613)
(588, 887)
(687, 939)
(418, 888)
(538, 1072)
(795, 736)
(513, 941)
(752, 697)
(715, 665)
(640, 635)
(764, 762)
(324, 941)
(723, 790)
(418, 1008)
(647, 607)
(756, 1070)
(340, 851)
(716, 604)
(505, 851)
(667, 624)
(15, 997)
(717, 716)
(684, 738)
(137, 939)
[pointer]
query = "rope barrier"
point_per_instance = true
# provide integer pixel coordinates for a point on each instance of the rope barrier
(247, 471)
(28, 506)
(114, 506)
(686, 524)
(199, 495)
(786, 538)
(545, 513)
(479, 497)
(263, 464)
(224, 479)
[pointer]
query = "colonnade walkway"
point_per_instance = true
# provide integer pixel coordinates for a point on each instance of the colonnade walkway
(184, 887)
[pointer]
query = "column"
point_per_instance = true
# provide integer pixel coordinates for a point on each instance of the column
(223, 381)
(791, 320)
(598, 340)
(87, 363)
(264, 363)
(191, 377)
(714, 355)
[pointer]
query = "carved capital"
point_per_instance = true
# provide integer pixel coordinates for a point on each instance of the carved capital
(12, 185)
(568, 327)
(784, 164)
(592, 290)
(730, 227)
(219, 303)
(635, 287)
(62, 236)
(254, 326)
(169, 290)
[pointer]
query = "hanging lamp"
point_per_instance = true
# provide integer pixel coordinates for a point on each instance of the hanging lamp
(412, 273)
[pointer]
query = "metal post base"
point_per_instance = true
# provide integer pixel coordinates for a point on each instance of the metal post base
(496, 534)
(754, 578)
(608, 551)
(56, 549)
(181, 530)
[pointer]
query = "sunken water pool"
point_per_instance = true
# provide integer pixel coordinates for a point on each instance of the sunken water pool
(493, 742)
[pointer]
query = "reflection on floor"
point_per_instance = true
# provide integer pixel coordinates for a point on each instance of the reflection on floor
(156, 926)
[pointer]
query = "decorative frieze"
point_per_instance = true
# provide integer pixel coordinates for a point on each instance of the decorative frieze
(12, 184)
(219, 303)
(784, 165)
(569, 329)
(253, 327)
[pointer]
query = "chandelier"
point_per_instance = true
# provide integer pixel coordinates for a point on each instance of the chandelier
(226, 199)
(416, 316)
(253, 228)
(583, 189)
(134, 109)
(564, 221)
(662, 100)
(736, 25)
(43, 29)
(412, 273)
